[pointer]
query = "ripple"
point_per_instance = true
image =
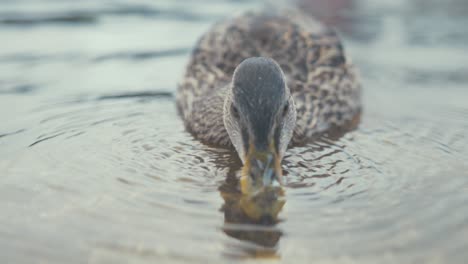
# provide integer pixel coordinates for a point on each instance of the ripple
(112, 176)
(93, 15)
(142, 55)
(59, 18)
(19, 89)
(129, 162)
(140, 95)
(12, 133)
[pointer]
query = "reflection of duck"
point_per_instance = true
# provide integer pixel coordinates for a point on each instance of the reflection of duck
(259, 81)
(244, 219)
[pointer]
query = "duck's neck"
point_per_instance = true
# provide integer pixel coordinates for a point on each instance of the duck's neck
(204, 117)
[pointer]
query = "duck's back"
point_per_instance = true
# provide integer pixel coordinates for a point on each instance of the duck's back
(322, 81)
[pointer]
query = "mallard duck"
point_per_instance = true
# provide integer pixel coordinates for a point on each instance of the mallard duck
(262, 82)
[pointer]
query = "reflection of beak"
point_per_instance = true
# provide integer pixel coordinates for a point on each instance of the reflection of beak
(264, 206)
(261, 171)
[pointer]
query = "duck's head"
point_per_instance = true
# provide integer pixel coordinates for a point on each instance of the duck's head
(259, 116)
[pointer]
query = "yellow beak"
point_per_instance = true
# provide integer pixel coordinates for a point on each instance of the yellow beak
(261, 171)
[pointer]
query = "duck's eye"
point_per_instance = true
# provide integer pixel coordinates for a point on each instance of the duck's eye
(285, 109)
(235, 112)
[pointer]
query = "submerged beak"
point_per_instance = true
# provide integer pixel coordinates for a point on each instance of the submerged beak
(261, 171)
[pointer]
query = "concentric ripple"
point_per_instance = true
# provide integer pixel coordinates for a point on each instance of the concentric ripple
(96, 166)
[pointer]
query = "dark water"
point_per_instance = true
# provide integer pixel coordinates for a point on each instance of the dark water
(95, 165)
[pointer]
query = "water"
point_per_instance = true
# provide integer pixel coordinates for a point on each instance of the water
(95, 165)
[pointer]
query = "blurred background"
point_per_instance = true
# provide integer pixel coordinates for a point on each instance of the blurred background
(95, 164)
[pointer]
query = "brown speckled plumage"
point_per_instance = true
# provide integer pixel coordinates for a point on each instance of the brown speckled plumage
(322, 81)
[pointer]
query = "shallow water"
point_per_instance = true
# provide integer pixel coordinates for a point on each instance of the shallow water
(95, 165)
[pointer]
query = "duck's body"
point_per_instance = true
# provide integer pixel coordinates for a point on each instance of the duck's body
(323, 83)
(260, 82)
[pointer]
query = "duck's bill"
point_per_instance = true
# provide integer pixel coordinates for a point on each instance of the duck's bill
(261, 172)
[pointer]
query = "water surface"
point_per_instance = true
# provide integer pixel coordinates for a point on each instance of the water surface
(95, 164)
